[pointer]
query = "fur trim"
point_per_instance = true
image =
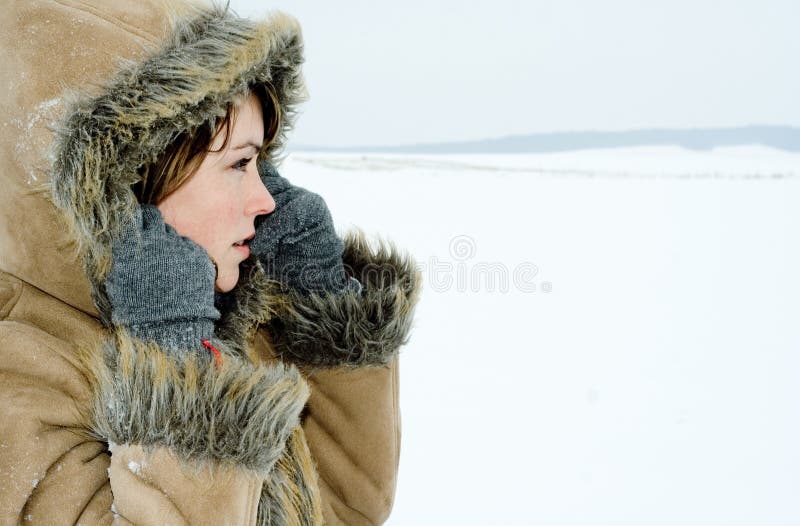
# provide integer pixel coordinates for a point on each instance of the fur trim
(291, 495)
(348, 329)
(240, 414)
(243, 308)
(207, 63)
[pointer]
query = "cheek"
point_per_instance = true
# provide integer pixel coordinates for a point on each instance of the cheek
(226, 219)
(208, 215)
(222, 224)
(199, 227)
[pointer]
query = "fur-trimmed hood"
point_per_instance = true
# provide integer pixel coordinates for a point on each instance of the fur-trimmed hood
(206, 62)
(80, 122)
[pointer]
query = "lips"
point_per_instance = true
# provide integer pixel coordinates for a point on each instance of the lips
(242, 247)
(245, 240)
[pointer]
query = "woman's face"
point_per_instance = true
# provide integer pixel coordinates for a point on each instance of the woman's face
(216, 208)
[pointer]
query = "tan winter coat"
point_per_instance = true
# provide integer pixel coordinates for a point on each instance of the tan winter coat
(299, 425)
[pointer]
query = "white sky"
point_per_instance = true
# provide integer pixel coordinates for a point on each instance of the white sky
(387, 73)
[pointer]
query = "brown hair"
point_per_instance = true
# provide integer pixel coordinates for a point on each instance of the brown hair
(184, 155)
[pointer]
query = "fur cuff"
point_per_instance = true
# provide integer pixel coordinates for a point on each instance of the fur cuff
(239, 414)
(351, 328)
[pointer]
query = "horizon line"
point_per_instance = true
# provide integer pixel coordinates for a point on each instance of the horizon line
(784, 137)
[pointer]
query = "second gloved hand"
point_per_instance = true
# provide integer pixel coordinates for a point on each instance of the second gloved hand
(297, 243)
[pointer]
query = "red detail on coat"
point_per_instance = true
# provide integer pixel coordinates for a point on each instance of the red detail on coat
(217, 354)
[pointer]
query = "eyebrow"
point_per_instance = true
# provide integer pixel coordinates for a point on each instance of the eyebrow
(246, 145)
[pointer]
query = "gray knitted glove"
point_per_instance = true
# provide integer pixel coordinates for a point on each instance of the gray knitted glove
(297, 243)
(161, 284)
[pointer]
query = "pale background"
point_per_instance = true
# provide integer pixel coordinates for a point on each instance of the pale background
(627, 353)
(422, 71)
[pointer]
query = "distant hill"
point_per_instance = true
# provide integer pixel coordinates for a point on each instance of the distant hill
(781, 137)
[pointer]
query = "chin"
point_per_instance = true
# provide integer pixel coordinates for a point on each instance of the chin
(227, 280)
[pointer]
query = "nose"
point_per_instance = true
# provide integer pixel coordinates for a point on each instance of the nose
(259, 201)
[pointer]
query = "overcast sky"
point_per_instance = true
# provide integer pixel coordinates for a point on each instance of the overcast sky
(387, 73)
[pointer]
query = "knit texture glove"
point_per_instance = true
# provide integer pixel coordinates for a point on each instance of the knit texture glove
(161, 284)
(297, 243)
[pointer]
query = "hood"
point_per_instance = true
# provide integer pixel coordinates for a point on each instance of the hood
(96, 93)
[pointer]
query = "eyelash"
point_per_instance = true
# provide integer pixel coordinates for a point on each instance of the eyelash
(241, 164)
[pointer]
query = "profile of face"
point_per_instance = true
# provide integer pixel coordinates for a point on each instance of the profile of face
(216, 208)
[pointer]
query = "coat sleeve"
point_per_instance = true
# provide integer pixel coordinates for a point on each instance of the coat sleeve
(353, 428)
(347, 346)
(50, 472)
(192, 443)
(98, 427)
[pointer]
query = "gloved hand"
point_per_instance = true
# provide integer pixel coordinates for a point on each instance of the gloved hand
(161, 284)
(297, 243)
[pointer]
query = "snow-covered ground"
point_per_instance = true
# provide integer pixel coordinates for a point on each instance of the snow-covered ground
(605, 337)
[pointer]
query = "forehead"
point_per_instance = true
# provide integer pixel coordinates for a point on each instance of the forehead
(247, 125)
(248, 119)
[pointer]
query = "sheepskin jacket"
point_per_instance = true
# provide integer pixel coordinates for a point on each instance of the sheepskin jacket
(299, 424)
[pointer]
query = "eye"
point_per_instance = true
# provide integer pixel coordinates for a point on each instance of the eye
(241, 164)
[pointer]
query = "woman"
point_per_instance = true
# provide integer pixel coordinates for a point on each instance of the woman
(205, 359)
